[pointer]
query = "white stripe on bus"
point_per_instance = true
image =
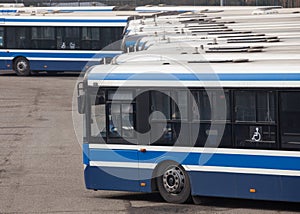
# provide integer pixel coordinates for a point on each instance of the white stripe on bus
(205, 150)
(192, 168)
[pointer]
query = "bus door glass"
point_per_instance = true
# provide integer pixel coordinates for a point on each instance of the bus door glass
(120, 120)
(112, 139)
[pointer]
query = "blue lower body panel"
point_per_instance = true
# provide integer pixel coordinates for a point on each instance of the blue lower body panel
(60, 60)
(107, 179)
(267, 187)
(5, 65)
(60, 65)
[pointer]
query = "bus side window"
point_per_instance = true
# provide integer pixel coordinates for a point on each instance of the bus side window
(18, 37)
(121, 122)
(211, 107)
(289, 120)
(255, 121)
(169, 127)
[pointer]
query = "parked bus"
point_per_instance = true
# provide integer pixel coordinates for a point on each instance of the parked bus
(20, 8)
(58, 42)
(186, 116)
(250, 149)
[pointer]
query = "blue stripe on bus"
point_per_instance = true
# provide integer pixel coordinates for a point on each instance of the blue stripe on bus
(58, 54)
(66, 20)
(84, 10)
(197, 76)
(223, 160)
(8, 11)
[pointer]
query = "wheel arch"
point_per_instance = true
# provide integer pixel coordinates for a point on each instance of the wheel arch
(15, 57)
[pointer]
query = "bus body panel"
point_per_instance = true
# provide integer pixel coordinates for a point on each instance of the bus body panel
(118, 170)
(265, 187)
(103, 178)
(251, 176)
(54, 60)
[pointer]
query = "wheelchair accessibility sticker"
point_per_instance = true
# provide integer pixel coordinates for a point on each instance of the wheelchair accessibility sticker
(256, 134)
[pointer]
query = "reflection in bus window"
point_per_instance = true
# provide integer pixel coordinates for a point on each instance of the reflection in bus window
(98, 121)
(160, 102)
(1, 36)
(121, 120)
(211, 105)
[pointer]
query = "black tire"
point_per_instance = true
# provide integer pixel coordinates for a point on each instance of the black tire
(173, 183)
(21, 66)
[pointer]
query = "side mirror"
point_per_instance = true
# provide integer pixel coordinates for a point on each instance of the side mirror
(81, 104)
(80, 98)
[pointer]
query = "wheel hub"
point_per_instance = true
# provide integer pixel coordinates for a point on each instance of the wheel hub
(21, 66)
(173, 180)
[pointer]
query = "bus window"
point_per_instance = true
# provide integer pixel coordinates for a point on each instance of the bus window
(43, 37)
(1, 37)
(18, 37)
(121, 122)
(179, 105)
(98, 119)
(109, 35)
(289, 120)
(160, 102)
(255, 121)
(211, 107)
(245, 106)
(175, 128)
(90, 38)
(121, 114)
(266, 107)
(68, 38)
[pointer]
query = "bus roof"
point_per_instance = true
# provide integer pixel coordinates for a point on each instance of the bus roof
(229, 49)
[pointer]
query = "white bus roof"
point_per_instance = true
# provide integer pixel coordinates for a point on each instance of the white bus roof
(257, 51)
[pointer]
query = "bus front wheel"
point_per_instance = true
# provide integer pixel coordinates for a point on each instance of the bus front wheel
(21, 66)
(173, 183)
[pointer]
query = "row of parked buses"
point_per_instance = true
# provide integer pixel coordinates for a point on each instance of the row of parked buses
(54, 39)
(204, 103)
(67, 38)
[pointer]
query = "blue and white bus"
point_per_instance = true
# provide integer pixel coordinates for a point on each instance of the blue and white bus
(236, 134)
(188, 117)
(57, 42)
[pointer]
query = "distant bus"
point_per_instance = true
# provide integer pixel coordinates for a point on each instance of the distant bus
(57, 42)
(250, 150)
(13, 9)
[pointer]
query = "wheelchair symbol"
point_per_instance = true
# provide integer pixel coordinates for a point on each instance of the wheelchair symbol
(256, 135)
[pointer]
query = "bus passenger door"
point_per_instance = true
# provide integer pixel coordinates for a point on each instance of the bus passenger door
(143, 138)
(112, 156)
(122, 140)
